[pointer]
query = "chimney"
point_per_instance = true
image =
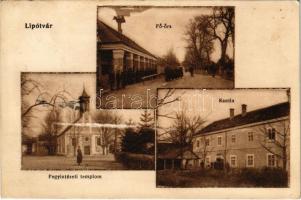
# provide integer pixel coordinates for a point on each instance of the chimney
(243, 109)
(119, 19)
(231, 113)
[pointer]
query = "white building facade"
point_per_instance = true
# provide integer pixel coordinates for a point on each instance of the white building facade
(78, 132)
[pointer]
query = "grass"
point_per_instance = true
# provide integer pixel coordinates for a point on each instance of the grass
(220, 178)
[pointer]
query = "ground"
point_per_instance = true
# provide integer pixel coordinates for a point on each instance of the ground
(104, 162)
(135, 96)
(221, 178)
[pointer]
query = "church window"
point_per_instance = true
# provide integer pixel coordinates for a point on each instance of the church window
(73, 141)
(98, 141)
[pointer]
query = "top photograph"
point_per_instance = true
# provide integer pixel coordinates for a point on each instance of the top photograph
(140, 49)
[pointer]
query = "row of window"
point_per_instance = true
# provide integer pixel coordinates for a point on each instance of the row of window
(250, 160)
(99, 141)
(271, 134)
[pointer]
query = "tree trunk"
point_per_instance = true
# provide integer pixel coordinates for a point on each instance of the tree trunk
(284, 159)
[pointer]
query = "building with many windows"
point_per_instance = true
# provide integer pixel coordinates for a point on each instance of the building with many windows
(256, 139)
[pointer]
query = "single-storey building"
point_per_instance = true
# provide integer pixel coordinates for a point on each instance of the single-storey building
(172, 156)
(120, 60)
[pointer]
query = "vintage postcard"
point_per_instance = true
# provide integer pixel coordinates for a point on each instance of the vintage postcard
(62, 130)
(181, 47)
(150, 99)
(223, 138)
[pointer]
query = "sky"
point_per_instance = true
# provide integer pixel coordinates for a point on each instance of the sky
(74, 84)
(141, 27)
(205, 103)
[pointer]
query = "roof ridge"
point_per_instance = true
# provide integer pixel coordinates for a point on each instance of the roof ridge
(237, 117)
(118, 34)
(252, 111)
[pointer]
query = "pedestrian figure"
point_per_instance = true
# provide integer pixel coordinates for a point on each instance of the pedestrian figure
(191, 71)
(79, 156)
(213, 68)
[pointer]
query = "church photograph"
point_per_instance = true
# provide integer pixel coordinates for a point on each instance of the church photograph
(140, 49)
(63, 130)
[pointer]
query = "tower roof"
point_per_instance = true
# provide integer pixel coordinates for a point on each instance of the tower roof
(84, 94)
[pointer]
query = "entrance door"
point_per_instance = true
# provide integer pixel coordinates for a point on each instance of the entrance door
(87, 150)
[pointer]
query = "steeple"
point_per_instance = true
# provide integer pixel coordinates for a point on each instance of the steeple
(84, 101)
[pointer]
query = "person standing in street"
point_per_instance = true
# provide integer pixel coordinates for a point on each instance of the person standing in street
(79, 157)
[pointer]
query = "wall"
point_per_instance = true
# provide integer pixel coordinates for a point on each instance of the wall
(242, 146)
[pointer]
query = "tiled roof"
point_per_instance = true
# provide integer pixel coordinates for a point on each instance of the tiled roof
(259, 115)
(108, 35)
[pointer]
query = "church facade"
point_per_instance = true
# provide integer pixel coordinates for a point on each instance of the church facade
(79, 132)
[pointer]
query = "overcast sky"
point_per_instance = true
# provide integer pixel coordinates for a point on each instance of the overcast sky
(73, 83)
(205, 103)
(141, 27)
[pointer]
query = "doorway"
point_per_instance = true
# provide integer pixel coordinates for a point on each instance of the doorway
(87, 150)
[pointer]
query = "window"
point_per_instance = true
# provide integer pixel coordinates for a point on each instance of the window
(233, 161)
(271, 160)
(250, 136)
(219, 140)
(233, 138)
(207, 142)
(207, 161)
(250, 160)
(271, 133)
(98, 141)
(74, 142)
(86, 139)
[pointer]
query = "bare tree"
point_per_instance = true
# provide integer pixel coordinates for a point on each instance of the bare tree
(168, 97)
(169, 59)
(108, 135)
(223, 17)
(184, 127)
(200, 42)
(275, 139)
(40, 96)
(204, 146)
(182, 130)
(50, 130)
(35, 95)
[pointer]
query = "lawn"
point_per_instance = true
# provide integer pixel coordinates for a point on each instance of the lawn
(221, 178)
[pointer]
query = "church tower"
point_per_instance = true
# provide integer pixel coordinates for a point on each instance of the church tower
(84, 101)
